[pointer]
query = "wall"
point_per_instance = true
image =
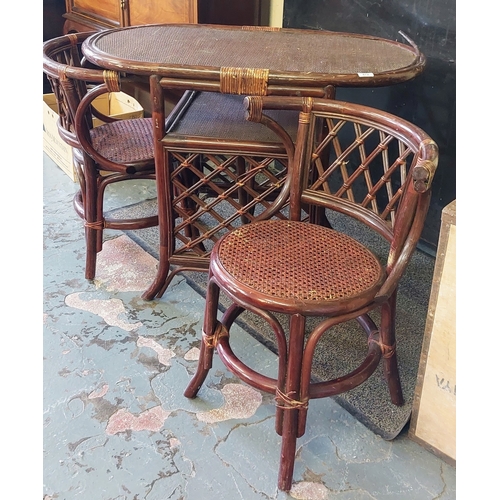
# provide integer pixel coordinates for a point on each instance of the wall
(52, 27)
(276, 13)
(429, 101)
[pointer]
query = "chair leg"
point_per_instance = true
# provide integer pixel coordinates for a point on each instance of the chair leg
(91, 258)
(92, 224)
(100, 212)
(210, 325)
(388, 338)
(290, 402)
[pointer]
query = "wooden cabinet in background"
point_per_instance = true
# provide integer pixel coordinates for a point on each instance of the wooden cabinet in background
(162, 11)
(96, 15)
(85, 15)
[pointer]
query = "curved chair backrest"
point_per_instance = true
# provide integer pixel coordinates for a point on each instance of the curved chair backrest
(69, 76)
(76, 83)
(361, 162)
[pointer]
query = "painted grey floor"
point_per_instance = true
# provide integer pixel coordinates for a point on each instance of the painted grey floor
(116, 425)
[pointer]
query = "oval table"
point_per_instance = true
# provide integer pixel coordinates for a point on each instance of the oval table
(255, 59)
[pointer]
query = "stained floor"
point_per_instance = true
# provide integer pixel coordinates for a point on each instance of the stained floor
(116, 425)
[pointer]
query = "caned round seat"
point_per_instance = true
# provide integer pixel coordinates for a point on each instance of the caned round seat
(291, 262)
(126, 141)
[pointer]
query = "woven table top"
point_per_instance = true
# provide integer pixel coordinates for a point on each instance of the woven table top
(309, 55)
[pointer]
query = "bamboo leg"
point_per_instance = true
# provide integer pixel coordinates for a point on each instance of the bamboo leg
(388, 338)
(91, 222)
(210, 324)
(165, 227)
(157, 288)
(290, 405)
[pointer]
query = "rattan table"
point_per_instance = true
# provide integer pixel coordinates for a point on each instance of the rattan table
(253, 59)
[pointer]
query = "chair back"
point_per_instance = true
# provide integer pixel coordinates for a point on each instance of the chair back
(367, 165)
(69, 76)
(76, 84)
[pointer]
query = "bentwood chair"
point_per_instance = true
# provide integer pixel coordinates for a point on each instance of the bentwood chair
(115, 151)
(215, 171)
(378, 172)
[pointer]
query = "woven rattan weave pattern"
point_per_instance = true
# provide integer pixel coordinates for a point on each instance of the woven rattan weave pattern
(280, 57)
(124, 141)
(223, 118)
(254, 255)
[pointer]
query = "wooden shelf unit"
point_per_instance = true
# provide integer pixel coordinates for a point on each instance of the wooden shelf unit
(87, 15)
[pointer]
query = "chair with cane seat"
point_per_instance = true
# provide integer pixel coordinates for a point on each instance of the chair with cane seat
(118, 150)
(378, 172)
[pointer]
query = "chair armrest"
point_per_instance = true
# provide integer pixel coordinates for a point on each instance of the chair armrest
(426, 165)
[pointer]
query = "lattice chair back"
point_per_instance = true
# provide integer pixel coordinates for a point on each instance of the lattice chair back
(372, 167)
(65, 67)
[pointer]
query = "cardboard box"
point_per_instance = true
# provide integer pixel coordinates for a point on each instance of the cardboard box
(433, 421)
(60, 152)
(116, 104)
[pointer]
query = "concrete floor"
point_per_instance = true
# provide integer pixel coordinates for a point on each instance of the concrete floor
(116, 425)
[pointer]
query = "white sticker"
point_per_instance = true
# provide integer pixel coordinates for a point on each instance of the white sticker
(365, 75)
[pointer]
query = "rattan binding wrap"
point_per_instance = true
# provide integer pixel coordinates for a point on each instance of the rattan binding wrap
(112, 80)
(243, 81)
(261, 28)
